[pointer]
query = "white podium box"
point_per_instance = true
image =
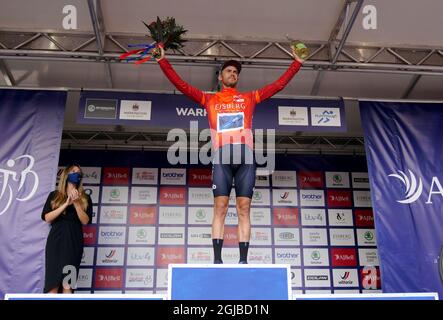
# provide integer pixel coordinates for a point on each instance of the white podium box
(82, 296)
(369, 296)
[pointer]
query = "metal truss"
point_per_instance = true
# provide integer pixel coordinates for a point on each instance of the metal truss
(291, 144)
(352, 57)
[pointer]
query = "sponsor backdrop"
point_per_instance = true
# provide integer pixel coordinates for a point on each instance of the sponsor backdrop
(405, 158)
(31, 125)
(313, 213)
(173, 110)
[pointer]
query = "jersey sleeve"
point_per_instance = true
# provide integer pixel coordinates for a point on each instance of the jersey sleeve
(191, 92)
(271, 89)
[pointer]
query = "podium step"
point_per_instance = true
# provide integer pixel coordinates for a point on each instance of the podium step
(229, 282)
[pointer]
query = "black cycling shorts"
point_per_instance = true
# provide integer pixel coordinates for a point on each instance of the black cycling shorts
(233, 162)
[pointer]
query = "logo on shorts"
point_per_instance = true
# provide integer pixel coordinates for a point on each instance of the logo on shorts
(214, 186)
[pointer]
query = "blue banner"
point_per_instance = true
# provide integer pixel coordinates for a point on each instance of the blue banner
(31, 125)
(176, 111)
(405, 163)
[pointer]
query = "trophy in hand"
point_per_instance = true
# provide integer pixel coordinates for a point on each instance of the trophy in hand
(165, 33)
(299, 47)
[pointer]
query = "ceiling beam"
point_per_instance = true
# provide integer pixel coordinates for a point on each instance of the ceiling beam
(254, 53)
(348, 27)
(333, 38)
(411, 86)
(7, 75)
(98, 26)
(318, 79)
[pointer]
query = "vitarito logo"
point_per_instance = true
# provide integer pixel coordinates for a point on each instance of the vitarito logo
(284, 195)
(345, 275)
(110, 254)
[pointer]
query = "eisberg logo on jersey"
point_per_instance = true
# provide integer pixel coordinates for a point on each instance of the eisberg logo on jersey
(230, 106)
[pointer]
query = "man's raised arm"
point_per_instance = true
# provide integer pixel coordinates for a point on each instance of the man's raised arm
(271, 89)
(193, 93)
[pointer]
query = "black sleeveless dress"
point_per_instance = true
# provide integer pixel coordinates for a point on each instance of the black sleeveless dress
(64, 246)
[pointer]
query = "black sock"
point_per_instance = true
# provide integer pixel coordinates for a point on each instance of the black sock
(244, 246)
(217, 244)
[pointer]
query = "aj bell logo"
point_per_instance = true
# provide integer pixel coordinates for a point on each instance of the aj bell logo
(414, 187)
(17, 173)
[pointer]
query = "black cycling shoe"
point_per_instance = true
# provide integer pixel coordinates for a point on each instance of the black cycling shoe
(218, 262)
(242, 262)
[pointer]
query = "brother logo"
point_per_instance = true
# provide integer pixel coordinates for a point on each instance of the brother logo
(311, 197)
(111, 234)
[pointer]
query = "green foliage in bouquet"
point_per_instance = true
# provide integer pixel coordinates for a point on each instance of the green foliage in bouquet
(167, 33)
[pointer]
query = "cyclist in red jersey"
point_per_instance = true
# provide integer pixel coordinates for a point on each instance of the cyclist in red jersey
(230, 115)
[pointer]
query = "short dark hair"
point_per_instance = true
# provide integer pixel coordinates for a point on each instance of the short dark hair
(233, 63)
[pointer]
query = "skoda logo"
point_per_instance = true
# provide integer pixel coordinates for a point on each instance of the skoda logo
(201, 214)
(315, 255)
(91, 108)
(115, 193)
(413, 190)
(337, 178)
(141, 234)
(369, 236)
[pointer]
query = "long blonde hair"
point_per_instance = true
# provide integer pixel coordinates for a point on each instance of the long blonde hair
(62, 195)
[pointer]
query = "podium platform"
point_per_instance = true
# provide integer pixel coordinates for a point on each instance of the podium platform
(229, 282)
(369, 296)
(83, 296)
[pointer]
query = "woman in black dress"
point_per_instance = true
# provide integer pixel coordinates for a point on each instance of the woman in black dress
(66, 209)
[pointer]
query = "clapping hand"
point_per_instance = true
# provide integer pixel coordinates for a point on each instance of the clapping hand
(73, 196)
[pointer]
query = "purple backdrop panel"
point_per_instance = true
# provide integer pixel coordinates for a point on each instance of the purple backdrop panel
(31, 125)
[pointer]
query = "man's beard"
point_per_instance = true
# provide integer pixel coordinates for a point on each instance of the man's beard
(230, 84)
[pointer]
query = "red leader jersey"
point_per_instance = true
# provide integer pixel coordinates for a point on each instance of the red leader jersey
(229, 112)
